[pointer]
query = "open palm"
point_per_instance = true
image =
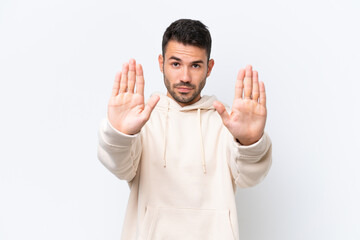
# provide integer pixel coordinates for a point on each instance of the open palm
(247, 119)
(127, 111)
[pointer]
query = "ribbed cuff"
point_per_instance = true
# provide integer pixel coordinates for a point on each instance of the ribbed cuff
(114, 137)
(255, 149)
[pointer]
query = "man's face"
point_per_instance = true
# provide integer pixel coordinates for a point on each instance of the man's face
(185, 69)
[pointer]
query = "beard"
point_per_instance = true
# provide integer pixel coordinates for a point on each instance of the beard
(184, 97)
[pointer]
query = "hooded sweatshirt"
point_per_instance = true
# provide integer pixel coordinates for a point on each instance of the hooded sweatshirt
(182, 169)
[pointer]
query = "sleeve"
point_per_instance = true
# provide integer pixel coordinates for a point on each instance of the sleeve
(118, 152)
(250, 164)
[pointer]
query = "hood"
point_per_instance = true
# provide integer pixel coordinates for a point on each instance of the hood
(166, 103)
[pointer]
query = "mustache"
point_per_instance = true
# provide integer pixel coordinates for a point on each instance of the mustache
(185, 84)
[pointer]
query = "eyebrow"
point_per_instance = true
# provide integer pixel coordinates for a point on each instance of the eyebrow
(179, 60)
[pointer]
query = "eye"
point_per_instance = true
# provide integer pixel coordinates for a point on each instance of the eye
(196, 65)
(175, 64)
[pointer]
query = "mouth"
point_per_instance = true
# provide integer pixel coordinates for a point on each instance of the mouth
(184, 89)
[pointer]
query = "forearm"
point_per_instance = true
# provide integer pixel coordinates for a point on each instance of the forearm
(118, 152)
(250, 164)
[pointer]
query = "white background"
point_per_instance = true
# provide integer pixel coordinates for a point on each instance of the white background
(58, 60)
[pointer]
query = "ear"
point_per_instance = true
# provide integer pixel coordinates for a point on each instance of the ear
(161, 63)
(210, 66)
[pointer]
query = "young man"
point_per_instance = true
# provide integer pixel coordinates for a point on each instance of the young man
(182, 154)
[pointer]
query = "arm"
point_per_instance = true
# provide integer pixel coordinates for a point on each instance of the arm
(118, 152)
(250, 164)
(250, 157)
(119, 146)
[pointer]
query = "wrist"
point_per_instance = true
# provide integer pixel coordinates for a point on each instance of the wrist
(248, 141)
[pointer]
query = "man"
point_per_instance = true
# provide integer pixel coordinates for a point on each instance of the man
(182, 154)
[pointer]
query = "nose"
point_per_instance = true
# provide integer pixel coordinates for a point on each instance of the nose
(185, 75)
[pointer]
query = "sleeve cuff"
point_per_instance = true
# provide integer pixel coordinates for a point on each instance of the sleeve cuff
(254, 149)
(114, 137)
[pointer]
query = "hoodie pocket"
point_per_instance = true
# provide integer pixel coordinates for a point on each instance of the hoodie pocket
(184, 223)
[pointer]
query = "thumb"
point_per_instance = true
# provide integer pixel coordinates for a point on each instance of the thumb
(150, 105)
(220, 108)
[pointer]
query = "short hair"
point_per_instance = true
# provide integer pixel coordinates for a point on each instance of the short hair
(188, 32)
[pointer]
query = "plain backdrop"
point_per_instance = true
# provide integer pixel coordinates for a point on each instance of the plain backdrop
(58, 60)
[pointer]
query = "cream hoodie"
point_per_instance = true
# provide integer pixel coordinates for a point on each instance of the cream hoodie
(182, 170)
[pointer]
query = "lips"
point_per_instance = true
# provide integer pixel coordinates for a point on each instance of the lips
(184, 89)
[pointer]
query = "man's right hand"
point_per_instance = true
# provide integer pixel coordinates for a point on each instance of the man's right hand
(127, 111)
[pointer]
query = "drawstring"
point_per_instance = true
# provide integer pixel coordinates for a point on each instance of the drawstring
(201, 138)
(165, 133)
(201, 142)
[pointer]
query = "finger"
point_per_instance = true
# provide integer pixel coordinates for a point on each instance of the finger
(255, 86)
(262, 94)
(149, 107)
(248, 82)
(131, 75)
(116, 86)
(124, 77)
(220, 108)
(139, 80)
(239, 86)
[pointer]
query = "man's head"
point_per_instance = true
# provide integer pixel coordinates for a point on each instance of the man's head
(188, 32)
(185, 61)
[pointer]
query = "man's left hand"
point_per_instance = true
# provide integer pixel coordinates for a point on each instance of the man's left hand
(247, 119)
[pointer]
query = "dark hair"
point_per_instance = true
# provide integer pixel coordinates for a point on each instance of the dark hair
(188, 32)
